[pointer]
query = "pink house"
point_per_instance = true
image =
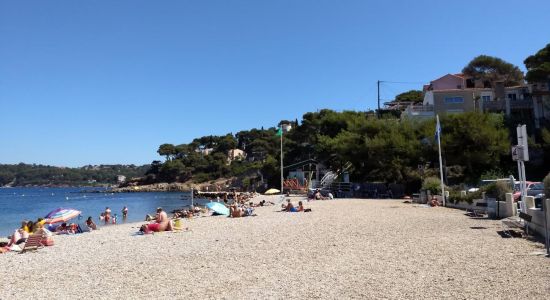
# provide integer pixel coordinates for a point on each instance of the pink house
(447, 82)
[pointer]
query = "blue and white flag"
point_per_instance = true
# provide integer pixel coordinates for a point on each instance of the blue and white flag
(437, 129)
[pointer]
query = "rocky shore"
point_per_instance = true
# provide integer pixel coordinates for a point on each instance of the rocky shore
(221, 184)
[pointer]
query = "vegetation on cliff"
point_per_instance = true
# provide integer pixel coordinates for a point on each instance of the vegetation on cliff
(388, 150)
(26, 174)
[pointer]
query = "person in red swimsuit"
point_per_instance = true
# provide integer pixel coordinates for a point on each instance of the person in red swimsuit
(161, 222)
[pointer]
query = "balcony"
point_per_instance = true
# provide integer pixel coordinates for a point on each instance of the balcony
(419, 111)
(500, 105)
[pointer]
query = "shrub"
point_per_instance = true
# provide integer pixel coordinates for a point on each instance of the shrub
(497, 190)
(547, 186)
(432, 184)
(201, 177)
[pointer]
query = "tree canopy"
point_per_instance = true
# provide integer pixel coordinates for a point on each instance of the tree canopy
(538, 66)
(26, 174)
(412, 95)
(385, 150)
(491, 69)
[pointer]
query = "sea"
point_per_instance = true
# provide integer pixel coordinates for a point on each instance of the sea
(30, 203)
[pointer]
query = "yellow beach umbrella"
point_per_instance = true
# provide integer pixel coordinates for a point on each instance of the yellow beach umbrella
(272, 192)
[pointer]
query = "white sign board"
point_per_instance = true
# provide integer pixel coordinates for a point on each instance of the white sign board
(522, 142)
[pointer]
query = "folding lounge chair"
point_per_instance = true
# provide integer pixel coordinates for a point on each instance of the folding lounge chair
(479, 211)
(33, 243)
(516, 222)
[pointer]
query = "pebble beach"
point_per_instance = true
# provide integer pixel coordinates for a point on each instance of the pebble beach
(345, 248)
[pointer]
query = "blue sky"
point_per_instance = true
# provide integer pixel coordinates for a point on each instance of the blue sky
(92, 82)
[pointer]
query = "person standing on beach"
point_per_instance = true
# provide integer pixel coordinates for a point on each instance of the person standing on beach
(107, 215)
(124, 213)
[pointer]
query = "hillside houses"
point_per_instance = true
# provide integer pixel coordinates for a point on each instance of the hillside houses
(457, 93)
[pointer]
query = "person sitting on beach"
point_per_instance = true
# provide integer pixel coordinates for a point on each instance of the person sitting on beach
(289, 207)
(90, 223)
(235, 210)
(63, 229)
(38, 224)
(25, 226)
(47, 236)
(19, 236)
(300, 206)
(30, 227)
(434, 202)
(161, 223)
(317, 195)
(102, 216)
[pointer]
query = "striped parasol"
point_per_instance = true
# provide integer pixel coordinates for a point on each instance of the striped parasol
(61, 215)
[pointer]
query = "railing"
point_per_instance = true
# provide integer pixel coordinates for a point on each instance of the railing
(500, 105)
(420, 108)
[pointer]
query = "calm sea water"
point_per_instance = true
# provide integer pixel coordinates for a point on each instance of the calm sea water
(17, 204)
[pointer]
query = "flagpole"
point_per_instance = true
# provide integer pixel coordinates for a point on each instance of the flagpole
(438, 131)
(281, 160)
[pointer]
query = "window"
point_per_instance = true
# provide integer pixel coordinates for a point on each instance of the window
(486, 98)
(450, 100)
(512, 96)
(537, 186)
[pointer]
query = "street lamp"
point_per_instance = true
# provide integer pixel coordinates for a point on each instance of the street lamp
(283, 127)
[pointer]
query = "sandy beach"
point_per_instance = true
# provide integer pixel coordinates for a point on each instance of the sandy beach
(369, 249)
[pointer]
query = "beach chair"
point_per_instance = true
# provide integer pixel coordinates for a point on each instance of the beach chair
(478, 212)
(516, 222)
(33, 243)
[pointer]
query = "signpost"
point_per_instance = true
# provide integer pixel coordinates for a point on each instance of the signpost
(520, 153)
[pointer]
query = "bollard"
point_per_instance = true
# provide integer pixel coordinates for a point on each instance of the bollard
(529, 202)
(509, 210)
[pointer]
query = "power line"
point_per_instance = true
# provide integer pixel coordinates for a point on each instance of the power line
(404, 82)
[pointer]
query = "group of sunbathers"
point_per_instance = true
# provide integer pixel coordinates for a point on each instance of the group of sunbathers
(289, 207)
(317, 195)
(19, 237)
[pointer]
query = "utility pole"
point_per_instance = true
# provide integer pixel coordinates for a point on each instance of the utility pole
(378, 88)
